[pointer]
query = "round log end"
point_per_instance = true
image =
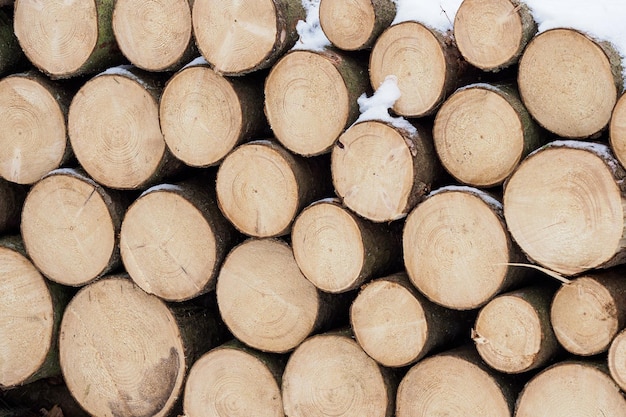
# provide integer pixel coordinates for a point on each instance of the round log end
(348, 25)
(617, 360)
(617, 130)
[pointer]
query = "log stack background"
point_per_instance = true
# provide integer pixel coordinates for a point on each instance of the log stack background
(202, 214)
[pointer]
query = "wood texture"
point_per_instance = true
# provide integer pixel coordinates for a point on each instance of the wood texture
(617, 359)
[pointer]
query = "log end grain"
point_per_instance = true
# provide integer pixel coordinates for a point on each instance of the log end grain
(617, 359)
(617, 130)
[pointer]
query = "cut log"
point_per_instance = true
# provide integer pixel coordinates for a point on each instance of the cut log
(381, 172)
(482, 132)
(205, 115)
(355, 25)
(70, 226)
(492, 34)
(154, 35)
(11, 201)
(564, 206)
(457, 249)
(617, 359)
(571, 388)
(397, 326)
(311, 98)
(331, 375)
(126, 353)
(265, 300)
(114, 129)
(338, 251)
(588, 312)
(617, 130)
(233, 380)
(11, 55)
(569, 82)
(34, 139)
(513, 333)
(261, 187)
(426, 62)
(173, 240)
(67, 39)
(238, 38)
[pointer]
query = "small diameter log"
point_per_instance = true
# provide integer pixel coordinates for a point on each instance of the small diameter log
(588, 312)
(564, 206)
(569, 82)
(571, 388)
(355, 25)
(617, 359)
(154, 35)
(617, 130)
(173, 240)
(331, 375)
(11, 201)
(311, 98)
(265, 300)
(457, 383)
(34, 138)
(67, 38)
(233, 380)
(11, 54)
(482, 132)
(492, 34)
(426, 62)
(261, 187)
(114, 129)
(338, 251)
(238, 38)
(513, 333)
(204, 115)
(126, 353)
(457, 248)
(397, 326)
(381, 172)
(70, 226)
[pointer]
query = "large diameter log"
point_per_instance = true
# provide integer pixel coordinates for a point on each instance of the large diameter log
(457, 249)
(67, 38)
(570, 82)
(338, 251)
(482, 132)
(70, 226)
(331, 375)
(311, 98)
(381, 172)
(11, 201)
(173, 240)
(564, 206)
(239, 38)
(617, 359)
(204, 115)
(617, 130)
(11, 54)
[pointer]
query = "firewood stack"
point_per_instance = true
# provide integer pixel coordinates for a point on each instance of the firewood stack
(309, 208)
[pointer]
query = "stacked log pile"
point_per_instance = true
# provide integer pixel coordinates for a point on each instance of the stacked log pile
(309, 208)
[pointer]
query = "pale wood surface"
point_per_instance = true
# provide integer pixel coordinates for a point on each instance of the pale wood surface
(617, 359)
(617, 130)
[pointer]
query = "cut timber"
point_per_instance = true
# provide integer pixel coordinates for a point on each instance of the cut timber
(571, 388)
(126, 353)
(173, 240)
(482, 132)
(564, 206)
(427, 63)
(492, 34)
(114, 129)
(261, 187)
(512, 332)
(232, 380)
(337, 250)
(205, 115)
(265, 300)
(397, 326)
(455, 383)
(11, 201)
(617, 130)
(67, 38)
(569, 82)
(11, 54)
(331, 375)
(154, 35)
(70, 226)
(588, 312)
(30, 315)
(34, 138)
(457, 248)
(241, 37)
(617, 359)
(381, 172)
(355, 25)
(311, 98)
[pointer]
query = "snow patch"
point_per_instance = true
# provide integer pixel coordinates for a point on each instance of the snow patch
(312, 37)
(197, 61)
(436, 14)
(487, 198)
(162, 187)
(124, 71)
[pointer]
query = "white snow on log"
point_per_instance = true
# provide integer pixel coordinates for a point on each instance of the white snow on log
(312, 37)
(600, 149)
(487, 198)
(436, 14)
(197, 61)
(124, 71)
(162, 187)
